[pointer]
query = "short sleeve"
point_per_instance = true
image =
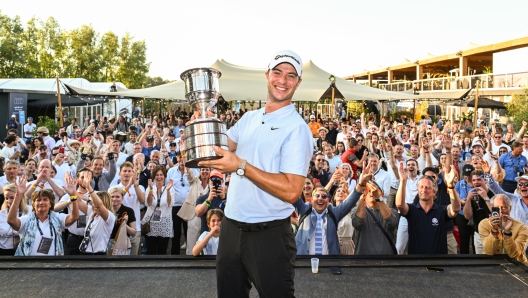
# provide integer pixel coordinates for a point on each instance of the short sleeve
(296, 152)
(202, 236)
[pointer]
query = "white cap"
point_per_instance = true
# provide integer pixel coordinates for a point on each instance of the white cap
(312, 116)
(13, 116)
(475, 143)
(525, 177)
(288, 57)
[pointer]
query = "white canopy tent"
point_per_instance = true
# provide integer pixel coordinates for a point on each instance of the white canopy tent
(239, 83)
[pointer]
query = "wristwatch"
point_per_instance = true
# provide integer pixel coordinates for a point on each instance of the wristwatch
(241, 171)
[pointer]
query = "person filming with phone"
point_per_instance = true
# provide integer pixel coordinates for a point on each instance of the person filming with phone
(501, 234)
(215, 199)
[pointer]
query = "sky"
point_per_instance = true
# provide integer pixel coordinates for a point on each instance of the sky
(342, 37)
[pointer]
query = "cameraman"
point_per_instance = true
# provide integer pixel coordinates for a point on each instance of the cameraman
(214, 199)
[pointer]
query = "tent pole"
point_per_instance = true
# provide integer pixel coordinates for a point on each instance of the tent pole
(60, 103)
(333, 103)
(414, 111)
(143, 109)
(115, 108)
(475, 110)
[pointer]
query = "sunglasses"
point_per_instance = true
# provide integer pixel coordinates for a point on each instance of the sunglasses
(319, 159)
(499, 137)
(359, 140)
(525, 184)
(324, 196)
(181, 180)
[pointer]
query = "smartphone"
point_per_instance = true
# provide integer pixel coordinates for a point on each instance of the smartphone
(61, 150)
(495, 211)
(335, 270)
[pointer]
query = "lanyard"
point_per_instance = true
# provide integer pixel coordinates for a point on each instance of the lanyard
(512, 160)
(40, 231)
(159, 196)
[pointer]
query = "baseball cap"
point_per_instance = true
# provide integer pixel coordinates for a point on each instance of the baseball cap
(150, 139)
(312, 116)
(288, 57)
(171, 134)
(30, 118)
(172, 144)
(217, 174)
(13, 116)
(467, 169)
(475, 143)
(91, 120)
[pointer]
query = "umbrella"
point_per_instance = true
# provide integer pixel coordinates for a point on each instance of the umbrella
(483, 102)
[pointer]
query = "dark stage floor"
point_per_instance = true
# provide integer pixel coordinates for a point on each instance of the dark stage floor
(180, 276)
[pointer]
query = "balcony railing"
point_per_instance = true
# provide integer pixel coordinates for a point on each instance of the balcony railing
(464, 82)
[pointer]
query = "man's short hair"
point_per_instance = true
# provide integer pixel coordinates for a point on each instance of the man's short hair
(516, 144)
(11, 162)
(12, 130)
(10, 139)
(504, 197)
(373, 155)
(477, 173)
(431, 169)
(126, 164)
(435, 185)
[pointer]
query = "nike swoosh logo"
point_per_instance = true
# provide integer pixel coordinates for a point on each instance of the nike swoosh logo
(273, 128)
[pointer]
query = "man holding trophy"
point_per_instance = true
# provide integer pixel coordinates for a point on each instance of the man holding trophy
(269, 150)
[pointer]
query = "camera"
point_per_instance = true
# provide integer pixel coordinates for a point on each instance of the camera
(61, 150)
(216, 182)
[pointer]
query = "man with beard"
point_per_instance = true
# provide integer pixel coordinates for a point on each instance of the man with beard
(411, 178)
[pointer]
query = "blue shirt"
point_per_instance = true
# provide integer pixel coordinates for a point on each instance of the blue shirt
(509, 162)
(463, 189)
(147, 151)
(177, 130)
(427, 231)
(216, 203)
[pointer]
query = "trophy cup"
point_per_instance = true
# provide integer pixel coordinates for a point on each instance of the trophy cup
(202, 134)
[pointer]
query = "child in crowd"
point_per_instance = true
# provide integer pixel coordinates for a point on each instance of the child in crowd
(209, 240)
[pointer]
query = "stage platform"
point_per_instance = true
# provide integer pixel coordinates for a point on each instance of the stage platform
(182, 276)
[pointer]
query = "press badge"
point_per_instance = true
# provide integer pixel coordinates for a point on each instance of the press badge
(45, 245)
(81, 222)
(156, 215)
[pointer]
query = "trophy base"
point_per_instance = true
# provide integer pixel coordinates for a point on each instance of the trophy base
(193, 164)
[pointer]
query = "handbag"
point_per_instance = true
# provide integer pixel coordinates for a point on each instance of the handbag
(145, 227)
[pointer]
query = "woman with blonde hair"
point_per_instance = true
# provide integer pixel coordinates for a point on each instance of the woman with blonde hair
(100, 217)
(123, 214)
(159, 212)
(9, 237)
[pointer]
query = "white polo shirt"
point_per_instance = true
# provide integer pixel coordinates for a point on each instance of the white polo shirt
(277, 142)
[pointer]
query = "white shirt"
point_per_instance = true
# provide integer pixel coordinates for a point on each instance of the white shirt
(45, 228)
(411, 189)
(129, 148)
(29, 127)
(46, 185)
(6, 232)
(73, 229)
(495, 148)
(180, 191)
(100, 232)
(525, 153)
(49, 142)
(277, 142)
(422, 162)
(62, 169)
(212, 245)
(7, 152)
(131, 201)
(383, 179)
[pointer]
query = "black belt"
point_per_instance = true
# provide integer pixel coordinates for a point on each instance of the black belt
(101, 253)
(77, 236)
(259, 226)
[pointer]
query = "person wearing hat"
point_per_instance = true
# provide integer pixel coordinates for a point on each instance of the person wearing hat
(43, 132)
(270, 151)
(478, 149)
(74, 154)
(178, 128)
(12, 123)
(29, 128)
(464, 188)
(314, 126)
(322, 131)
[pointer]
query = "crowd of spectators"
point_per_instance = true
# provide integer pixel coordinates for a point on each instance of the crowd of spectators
(374, 186)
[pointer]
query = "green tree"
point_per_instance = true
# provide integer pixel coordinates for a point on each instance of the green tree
(11, 55)
(110, 56)
(86, 53)
(133, 65)
(517, 109)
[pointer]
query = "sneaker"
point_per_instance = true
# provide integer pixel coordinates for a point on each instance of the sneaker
(184, 246)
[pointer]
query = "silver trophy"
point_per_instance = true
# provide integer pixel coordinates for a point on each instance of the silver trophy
(202, 134)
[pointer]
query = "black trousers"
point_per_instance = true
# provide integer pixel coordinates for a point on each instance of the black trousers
(157, 245)
(72, 245)
(265, 258)
(465, 233)
(7, 252)
(177, 223)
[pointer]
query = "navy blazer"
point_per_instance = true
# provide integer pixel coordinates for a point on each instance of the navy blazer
(307, 227)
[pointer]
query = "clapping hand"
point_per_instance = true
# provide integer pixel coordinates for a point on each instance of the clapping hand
(71, 184)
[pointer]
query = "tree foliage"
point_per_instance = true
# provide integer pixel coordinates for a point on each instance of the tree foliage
(42, 49)
(517, 109)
